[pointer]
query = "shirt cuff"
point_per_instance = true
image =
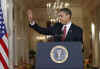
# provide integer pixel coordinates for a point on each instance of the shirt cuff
(32, 23)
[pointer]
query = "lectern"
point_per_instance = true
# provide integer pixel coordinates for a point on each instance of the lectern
(59, 55)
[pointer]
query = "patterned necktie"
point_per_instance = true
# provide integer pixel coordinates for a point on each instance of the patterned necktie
(64, 34)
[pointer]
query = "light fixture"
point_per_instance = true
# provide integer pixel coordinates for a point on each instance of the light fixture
(40, 37)
(93, 29)
(52, 8)
(56, 5)
(48, 5)
(66, 5)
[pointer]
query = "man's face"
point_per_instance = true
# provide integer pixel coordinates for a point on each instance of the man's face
(63, 18)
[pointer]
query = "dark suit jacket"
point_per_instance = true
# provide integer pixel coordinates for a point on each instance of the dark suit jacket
(74, 33)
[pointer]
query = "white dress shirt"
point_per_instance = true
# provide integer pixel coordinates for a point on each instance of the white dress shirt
(67, 27)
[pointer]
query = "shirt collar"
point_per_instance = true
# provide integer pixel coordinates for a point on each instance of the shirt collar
(68, 24)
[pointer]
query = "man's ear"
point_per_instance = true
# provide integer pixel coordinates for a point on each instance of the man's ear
(68, 16)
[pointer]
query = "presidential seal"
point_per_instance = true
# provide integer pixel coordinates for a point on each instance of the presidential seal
(59, 54)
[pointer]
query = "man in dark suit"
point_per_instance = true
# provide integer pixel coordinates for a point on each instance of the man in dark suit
(61, 31)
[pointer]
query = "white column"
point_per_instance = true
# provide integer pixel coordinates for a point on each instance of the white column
(10, 32)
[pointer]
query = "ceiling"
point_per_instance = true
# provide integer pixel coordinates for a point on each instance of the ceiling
(90, 5)
(42, 3)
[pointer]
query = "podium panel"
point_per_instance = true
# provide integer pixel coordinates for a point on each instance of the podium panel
(73, 54)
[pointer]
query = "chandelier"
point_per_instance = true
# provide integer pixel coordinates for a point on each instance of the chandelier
(52, 8)
(57, 5)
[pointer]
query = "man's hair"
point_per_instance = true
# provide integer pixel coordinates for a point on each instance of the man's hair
(66, 11)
